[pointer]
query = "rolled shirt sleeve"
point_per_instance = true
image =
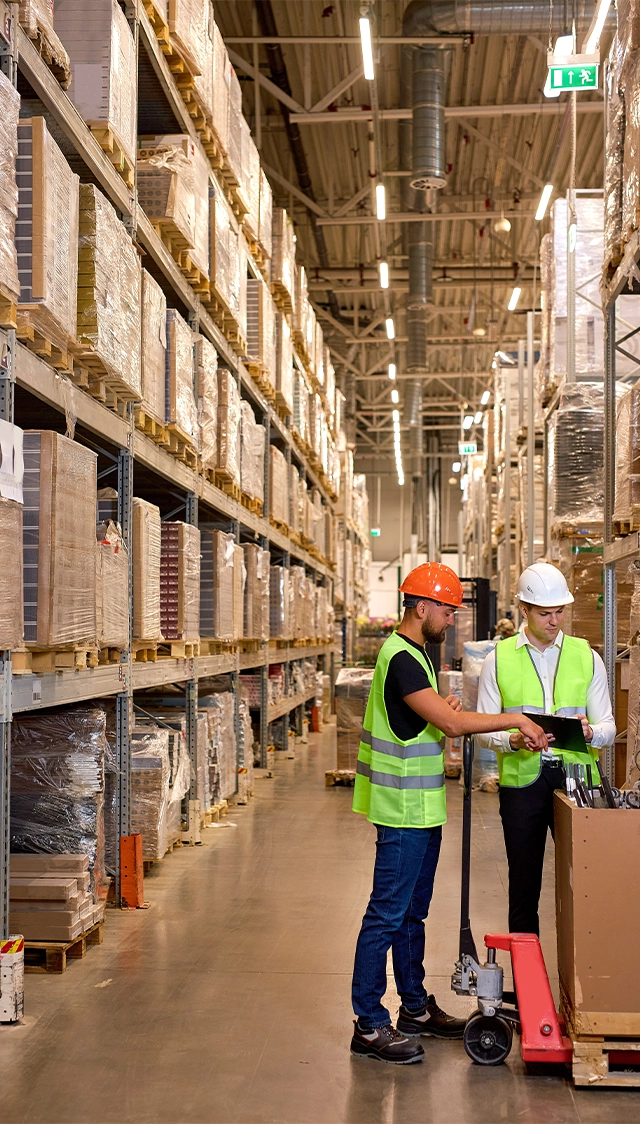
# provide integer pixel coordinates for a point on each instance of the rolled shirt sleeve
(599, 713)
(490, 702)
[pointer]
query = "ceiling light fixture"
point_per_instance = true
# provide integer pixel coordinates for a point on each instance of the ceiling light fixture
(384, 275)
(515, 297)
(478, 418)
(485, 397)
(392, 370)
(397, 448)
(479, 331)
(595, 31)
(367, 48)
(468, 421)
(456, 466)
(381, 202)
(544, 202)
(391, 328)
(395, 397)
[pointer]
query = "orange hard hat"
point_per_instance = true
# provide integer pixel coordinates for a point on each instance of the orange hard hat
(434, 582)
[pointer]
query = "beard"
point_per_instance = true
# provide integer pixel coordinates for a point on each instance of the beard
(431, 634)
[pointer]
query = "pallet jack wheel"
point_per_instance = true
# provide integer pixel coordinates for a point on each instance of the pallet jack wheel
(487, 1040)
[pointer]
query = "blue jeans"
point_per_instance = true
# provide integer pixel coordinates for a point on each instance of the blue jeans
(406, 861)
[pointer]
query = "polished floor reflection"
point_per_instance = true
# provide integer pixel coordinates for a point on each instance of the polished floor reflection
(228, 1000)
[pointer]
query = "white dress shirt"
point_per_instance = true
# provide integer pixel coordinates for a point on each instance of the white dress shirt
(598, 707)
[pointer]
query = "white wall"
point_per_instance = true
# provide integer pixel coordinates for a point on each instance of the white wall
(383, 595)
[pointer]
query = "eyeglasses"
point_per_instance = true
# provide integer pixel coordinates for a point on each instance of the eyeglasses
(440, 604)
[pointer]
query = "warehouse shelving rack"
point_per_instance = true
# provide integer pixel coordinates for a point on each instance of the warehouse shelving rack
(130, 453)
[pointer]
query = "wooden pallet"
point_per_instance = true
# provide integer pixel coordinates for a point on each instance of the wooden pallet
(622, 527)
(8, 310)
(144, 651)
(109, 655)
(594, 1058)
(44, 661)
(223, 481)
(248, 645)
(251, 503)
(40, 344)
(283, 409)
(340, 777)
(157, 22)
(176, 841)
(53, 54)
(52, 956)
(180, 446)
(218, 647)
(99, 380)
(570, 529)
(180, 250)
(111, 146)
(262, 380)
(279, 525)
(147, 424)
(179, 649)
(281, 297)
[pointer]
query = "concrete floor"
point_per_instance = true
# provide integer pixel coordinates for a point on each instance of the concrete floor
(228, 1000)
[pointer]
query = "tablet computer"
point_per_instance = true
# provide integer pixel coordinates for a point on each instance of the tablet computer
(567, 732)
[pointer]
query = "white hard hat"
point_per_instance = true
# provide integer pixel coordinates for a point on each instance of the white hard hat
(543, 585)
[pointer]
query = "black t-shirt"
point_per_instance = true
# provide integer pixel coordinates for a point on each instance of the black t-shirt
(405, 676)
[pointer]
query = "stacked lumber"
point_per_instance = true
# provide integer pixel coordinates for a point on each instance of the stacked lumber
(50, 897)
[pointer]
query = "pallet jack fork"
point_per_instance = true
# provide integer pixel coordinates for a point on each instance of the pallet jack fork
(531, 1010)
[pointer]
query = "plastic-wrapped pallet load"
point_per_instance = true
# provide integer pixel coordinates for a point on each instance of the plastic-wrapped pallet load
(11, 595)
(301, 310)
(627, 506)
(207, 383)
(180, 581)
(36, 17)
(173, 191)
(283, 256)
(228, 426)
(284, 363)
(278, 485)
(203, 82)
(235, 151)
(294, 488)
(46, 236)
(589, 323)
(279, 602)
(580, 557)
(245, 752)
(220, 710)
(256, 598)
(57, 785)
(266, 216)
(146, 570)
(154, 348)
(474, 653)
(150, 773)
(614, 158)
(261, 330)
(319, 356)
(576, 456)
(239, 580)
(51, 897)
(221, 78)
(224, 253)
(9, 114)
(187, 24)
(112, 588)
(217, 563)
(59, 529)
(450, 683)
(352, 694)
(181, 409)
(251, 161)
(103, 72)
(109, 288)
(253, 438)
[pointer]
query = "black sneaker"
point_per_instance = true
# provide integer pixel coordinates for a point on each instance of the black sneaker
(386, 1044)
(431, 1020)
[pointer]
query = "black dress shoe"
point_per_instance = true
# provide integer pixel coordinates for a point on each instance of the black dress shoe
(386, 1044)
(431, 1020)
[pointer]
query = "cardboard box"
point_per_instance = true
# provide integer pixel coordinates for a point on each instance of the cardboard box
(207, 389)
(180, 397)
(112, 589)
(23, 888)
(154, 348)
(11, 595)
(49, 865)
(217, 587)
(146, 570)
(44, 926)
(597, 881)
(180, 582)
(59, 522)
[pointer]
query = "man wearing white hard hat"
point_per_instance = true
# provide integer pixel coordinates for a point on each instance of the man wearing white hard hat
(541, 670)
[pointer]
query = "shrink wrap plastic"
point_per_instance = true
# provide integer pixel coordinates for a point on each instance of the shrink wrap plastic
(36, 16)
(474, 653)
(301, 308)
(103, 67)
(220, 711)
(627, 503)
(256, 598)
(173, 190)
(543, 371)
(154, 348)
(239, 581)
(203, 83)
(340, 416)
(629, 88)
(217, 584)
(180, 581)
(245, 752)
(301, 604)
(505, 378)
(589, 331)
(614, 150)
(450, 683)
(234, 135)
(108, 291)
(46, 235)
(580, 558)
(251, 162)
(522, 506)
(11, 595)
(9, 114)
(229, 438)
(261, 328)
(294, 500)
(279, 602)
(353, 685)
(207, 381)
(322, 630)
(315, 424)
(57, 785)
(319, 355)
(112, 588)
(284, 362)
(361, 504)
(221, 79)
(266, 215)
(278, 485)
(181, 402)
(345, 496)
(187, 25)
(252, 456)
(301, 399)
(150, 792)
(59, 537)
(146, 570)
(330, 388)
(283, 255)
(576, 457)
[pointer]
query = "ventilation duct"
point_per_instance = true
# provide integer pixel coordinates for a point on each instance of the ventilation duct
(428, 119)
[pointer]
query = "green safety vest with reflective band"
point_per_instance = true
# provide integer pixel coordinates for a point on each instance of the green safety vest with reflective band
(399, 783)
(521, 689)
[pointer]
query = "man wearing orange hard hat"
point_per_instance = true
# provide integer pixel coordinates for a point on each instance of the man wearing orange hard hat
(400, 788)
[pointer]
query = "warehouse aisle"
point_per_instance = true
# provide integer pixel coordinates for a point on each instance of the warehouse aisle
(228, 1000)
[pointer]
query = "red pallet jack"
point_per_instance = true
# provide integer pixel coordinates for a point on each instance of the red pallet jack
(530, 1008)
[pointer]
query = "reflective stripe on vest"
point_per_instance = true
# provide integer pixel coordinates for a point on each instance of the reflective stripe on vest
(521, 690)
(399, 783)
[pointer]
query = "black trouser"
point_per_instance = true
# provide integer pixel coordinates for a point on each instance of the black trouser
(527, 815)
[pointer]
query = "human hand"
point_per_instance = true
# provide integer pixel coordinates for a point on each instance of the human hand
(587, 730)
(454, 702)
(533, 737)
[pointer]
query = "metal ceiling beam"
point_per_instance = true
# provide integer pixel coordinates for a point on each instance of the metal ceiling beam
(371, 376)
(341, 88)
(495, 147)
(271, 87)
(354, 200)
(347, 40)
(416, 216)
(363, 113)
(284, 182)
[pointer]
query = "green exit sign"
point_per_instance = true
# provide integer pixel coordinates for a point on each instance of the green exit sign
(375, 532)
(467, 448)
(574, 77)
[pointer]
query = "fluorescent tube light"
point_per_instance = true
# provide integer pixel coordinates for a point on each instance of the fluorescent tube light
(595, 31)
(468, 421)
(381, 202)
(367, 48)
(392, 370)
(485, 397)
(395, 397)
(384, 275)
(544, 201)
(515, 297)
(456, 466)
(396, 415)
(391, 328)
(478, 418)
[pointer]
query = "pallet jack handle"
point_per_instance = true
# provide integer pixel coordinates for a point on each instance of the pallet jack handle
(467, 944)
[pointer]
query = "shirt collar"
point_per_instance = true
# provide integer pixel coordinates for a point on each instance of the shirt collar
(523, 639)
